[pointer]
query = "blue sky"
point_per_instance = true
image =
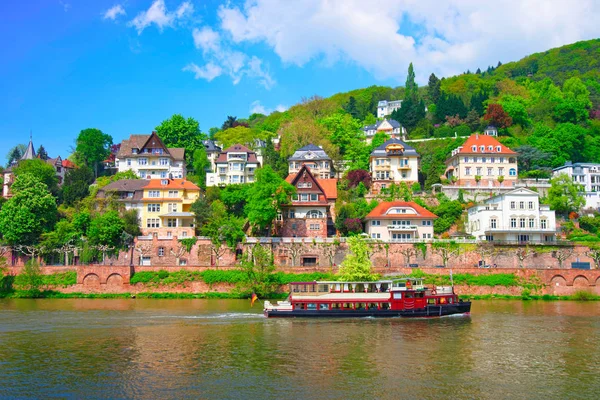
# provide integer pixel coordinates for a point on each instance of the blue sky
(124, 66)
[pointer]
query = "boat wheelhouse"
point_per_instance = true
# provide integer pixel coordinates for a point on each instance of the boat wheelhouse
(405, 297)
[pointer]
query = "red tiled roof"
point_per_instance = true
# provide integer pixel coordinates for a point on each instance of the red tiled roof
(484, 140)
(379, 212)
(68, 164)
(329, 185)
(172, 184)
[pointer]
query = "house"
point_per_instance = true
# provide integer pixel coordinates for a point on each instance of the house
(315, 158)
(237, 164)
(385, 108)
(166, 208)
(60, 166)
(482, 161)
(149, 158)
(588, 176)
(212, 152)
(390, 127)
(128, 192)
(514, 216)
(399, 221)
(393, 162)
(311, 211)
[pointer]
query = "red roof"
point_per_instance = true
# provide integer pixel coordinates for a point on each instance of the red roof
(171, 184)
(484, 140)
(380, 211)
(68, 164)
(237, 148)
(329, 186)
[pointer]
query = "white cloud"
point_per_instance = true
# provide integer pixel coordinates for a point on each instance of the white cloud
(157, 14)
(383, 36)
(257, 108)
(231, 62)
(209, 71)
(114, 12)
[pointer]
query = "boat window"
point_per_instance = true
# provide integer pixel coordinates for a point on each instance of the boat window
(347, 305)
(397, 295)
(360, 306)
(335, 306)
(372, 306)
(324, 288)
(323, 306)
(430, 301)
(385, 306)
(300, 306)
(303, 288)
(295, 288)
(449, 299)
(311, 306)
(409, 295)
(419, 294)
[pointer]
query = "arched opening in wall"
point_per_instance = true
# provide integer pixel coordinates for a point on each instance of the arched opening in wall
(581, 281)
(558, 280)
(91, 280)
(114, 280)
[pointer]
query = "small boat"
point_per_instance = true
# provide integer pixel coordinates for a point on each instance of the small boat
(405, 297)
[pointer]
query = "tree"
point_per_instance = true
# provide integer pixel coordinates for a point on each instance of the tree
(258, 264)
(42, 154)
(565, 195)
(350, 108)
(485, 250)
(357, 263)
(223, 230)
(344, 129)
(178, 131)
(232, 122)
(76, 185)
(266, 197)
(563, 255)
(29, 213)
(295, 248)
(434, 88)
(93, 146)
(594, 253)
(411, 112)
(235, 198)
(32, 278)
(41, 170)
(357, 176)
(106, 229)
(408, 252)
(496, 116)
(411, 86)
(532, 158)
(15, 154)
(201, 165)
(446, 250)
(272, 158)
(237, 135)
(202, 211)
(522, 253)
(131, 223)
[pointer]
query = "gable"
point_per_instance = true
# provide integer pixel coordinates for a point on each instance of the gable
(154, 143)
(385, 126)
(305, 182)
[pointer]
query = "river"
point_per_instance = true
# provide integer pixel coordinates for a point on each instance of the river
(212, 349)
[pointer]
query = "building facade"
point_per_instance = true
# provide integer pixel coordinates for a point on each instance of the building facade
(390, 127)
(311, 210)
(397, 221)
(385, 108)
(235, 165)
(149, 158)
(588, 176)
(212, 153)
(482, 161)
(393, 162)
(315, 158)
(515, 216)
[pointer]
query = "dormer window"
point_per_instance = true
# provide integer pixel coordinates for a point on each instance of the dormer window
(491, 148)
(482, 148)
(164, 182)
(498, 149)
(134, 151)
(474, 148)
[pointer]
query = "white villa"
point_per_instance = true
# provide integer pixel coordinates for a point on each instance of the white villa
(588, 176)
(393, 162)
(515, 216)
(390, 127)
(399, 221)
(314, 157)
(149, 158)
(385, 108)
(237, 164)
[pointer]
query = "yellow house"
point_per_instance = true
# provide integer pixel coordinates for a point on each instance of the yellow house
(166, 208)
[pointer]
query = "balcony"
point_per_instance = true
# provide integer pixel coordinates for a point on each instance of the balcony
(385, 167)
(404, 167)
(402, 227)
(506, 228)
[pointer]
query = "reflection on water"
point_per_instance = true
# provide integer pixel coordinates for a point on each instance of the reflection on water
(126, 348)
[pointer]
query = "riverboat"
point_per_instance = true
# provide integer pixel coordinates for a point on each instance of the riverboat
(406, 297)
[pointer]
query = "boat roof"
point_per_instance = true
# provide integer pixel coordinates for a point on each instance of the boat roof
(340, 282)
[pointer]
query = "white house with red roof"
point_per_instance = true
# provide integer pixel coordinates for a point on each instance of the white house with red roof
(481, 161)
(399, 221)
(311, 212)
(236, 164)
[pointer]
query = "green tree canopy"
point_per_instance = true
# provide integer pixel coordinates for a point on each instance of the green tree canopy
(29, 213)
(565, 195)
(222, 227)
(76, 185)
(106, 229)
(41, 170)
(238, 135)
(357, 265)
(93, 147)
(178, 131)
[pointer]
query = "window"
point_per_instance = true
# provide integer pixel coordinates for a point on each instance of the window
(376, 223)
(315, 227)
(292, 214)
(483, 159)
(152, 223)
(521, 222)
(426, 223)
(491, 148)
(182, 262)
(222, 170)
(153, 207)
(375, 235)
(482, 148)
(521, 205)
(531, 222)
(493, 223)
(153, 193)
(172, 222)
(499, 149)
(474, 148)
(184, 234)
(143, 161)
(531, 205)
(164, 161)
(543, 223)
(512, 205)
(161, 251)
(490, 171)
(501, 159)
(478, 170)
(304, 184)
(513, 222)
(173, 193)
(314, 214)
(163, 174)
(172, 207)
(493, 160)
(129, 162)
(468, 171)
(501, 171)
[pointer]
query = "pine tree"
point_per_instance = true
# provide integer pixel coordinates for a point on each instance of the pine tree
(411, 85)
(434, 88)
(42, 153)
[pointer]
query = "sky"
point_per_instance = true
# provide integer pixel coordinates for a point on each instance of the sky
(123, 66)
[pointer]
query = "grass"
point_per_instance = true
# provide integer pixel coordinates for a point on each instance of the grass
(578, 296)
(499, 279)
(52, 294)
(61, 279)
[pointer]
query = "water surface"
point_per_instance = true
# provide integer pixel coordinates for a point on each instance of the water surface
(172, 349)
